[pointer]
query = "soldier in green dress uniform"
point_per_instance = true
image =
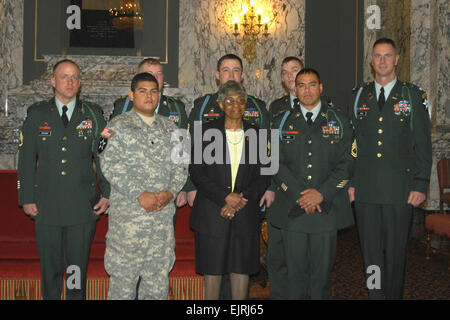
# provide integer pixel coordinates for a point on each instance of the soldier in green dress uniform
(170, 107)
(57, 183)
(392, 171)
(289, 69)
(311, 201)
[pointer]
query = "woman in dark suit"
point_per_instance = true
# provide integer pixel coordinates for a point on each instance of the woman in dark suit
(226, 214)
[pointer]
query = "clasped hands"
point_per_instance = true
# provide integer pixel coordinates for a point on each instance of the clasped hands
(151, 201)
(234, 203)
(310, 200)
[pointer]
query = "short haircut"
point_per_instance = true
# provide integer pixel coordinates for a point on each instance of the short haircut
(64, 61)
(229, 56)
(385, 41)
(140, 77)
(230, 87)
(307, 71)
(150, 61)
(292, 58)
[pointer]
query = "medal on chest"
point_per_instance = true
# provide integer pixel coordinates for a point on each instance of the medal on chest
(361, 111)
(402, 108)
(45, 130)
(84, 129)
(251, 114)
(174, 117)
(290, 134)
(211, 115)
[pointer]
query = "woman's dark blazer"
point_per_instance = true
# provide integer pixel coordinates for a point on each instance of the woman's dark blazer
(213, 183)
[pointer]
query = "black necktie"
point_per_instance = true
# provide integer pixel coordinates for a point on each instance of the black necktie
(381, 99)
(309, 120)
(64, 118)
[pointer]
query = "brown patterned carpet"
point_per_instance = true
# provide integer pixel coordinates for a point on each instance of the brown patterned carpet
(425, 280)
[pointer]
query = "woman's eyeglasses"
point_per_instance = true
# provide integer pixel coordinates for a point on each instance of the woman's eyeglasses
(230, 101)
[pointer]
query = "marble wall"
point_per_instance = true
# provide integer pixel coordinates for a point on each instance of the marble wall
(206, 38)
(11, 62)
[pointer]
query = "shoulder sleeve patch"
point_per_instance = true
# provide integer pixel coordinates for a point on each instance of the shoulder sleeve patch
(107, 133)
(102, 144)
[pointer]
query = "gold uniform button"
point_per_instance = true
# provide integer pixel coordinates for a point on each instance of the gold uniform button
(309, 166)
(44, 138)
(332, 141)
(309, 154)
(309, 177)
(64, 138)
(381, 119)
(63, 149)
(63, 173)
(401, 120)
(380, 131)
(85, 138)
(380, 143)
(379, 155)
(408, 170)
(309, 141)
(63, 161)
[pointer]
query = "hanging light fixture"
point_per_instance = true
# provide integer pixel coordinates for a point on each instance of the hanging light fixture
(128, 16)
(250, 28)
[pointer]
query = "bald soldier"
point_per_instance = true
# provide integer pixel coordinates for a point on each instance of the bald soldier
(311, 202)
(56, 179)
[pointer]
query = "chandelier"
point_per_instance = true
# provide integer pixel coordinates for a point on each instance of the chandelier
(250, 28)
(128, 16)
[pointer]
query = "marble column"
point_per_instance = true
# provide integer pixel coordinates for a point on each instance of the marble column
(370, 36)
(429, 69)
(11, 66)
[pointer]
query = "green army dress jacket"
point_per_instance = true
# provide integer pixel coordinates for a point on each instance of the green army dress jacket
(56, 164)
(280, 105)
(316, 157)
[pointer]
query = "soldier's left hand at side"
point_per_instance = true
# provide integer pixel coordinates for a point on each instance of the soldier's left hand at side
(268, 198)
(416, 198)
(101, 206)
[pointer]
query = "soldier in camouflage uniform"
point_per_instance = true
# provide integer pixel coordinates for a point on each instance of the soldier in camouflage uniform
(135, 153)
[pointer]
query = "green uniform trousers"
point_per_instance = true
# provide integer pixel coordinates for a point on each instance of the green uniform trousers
(384, 233)
(301, 264)
(60, 247)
